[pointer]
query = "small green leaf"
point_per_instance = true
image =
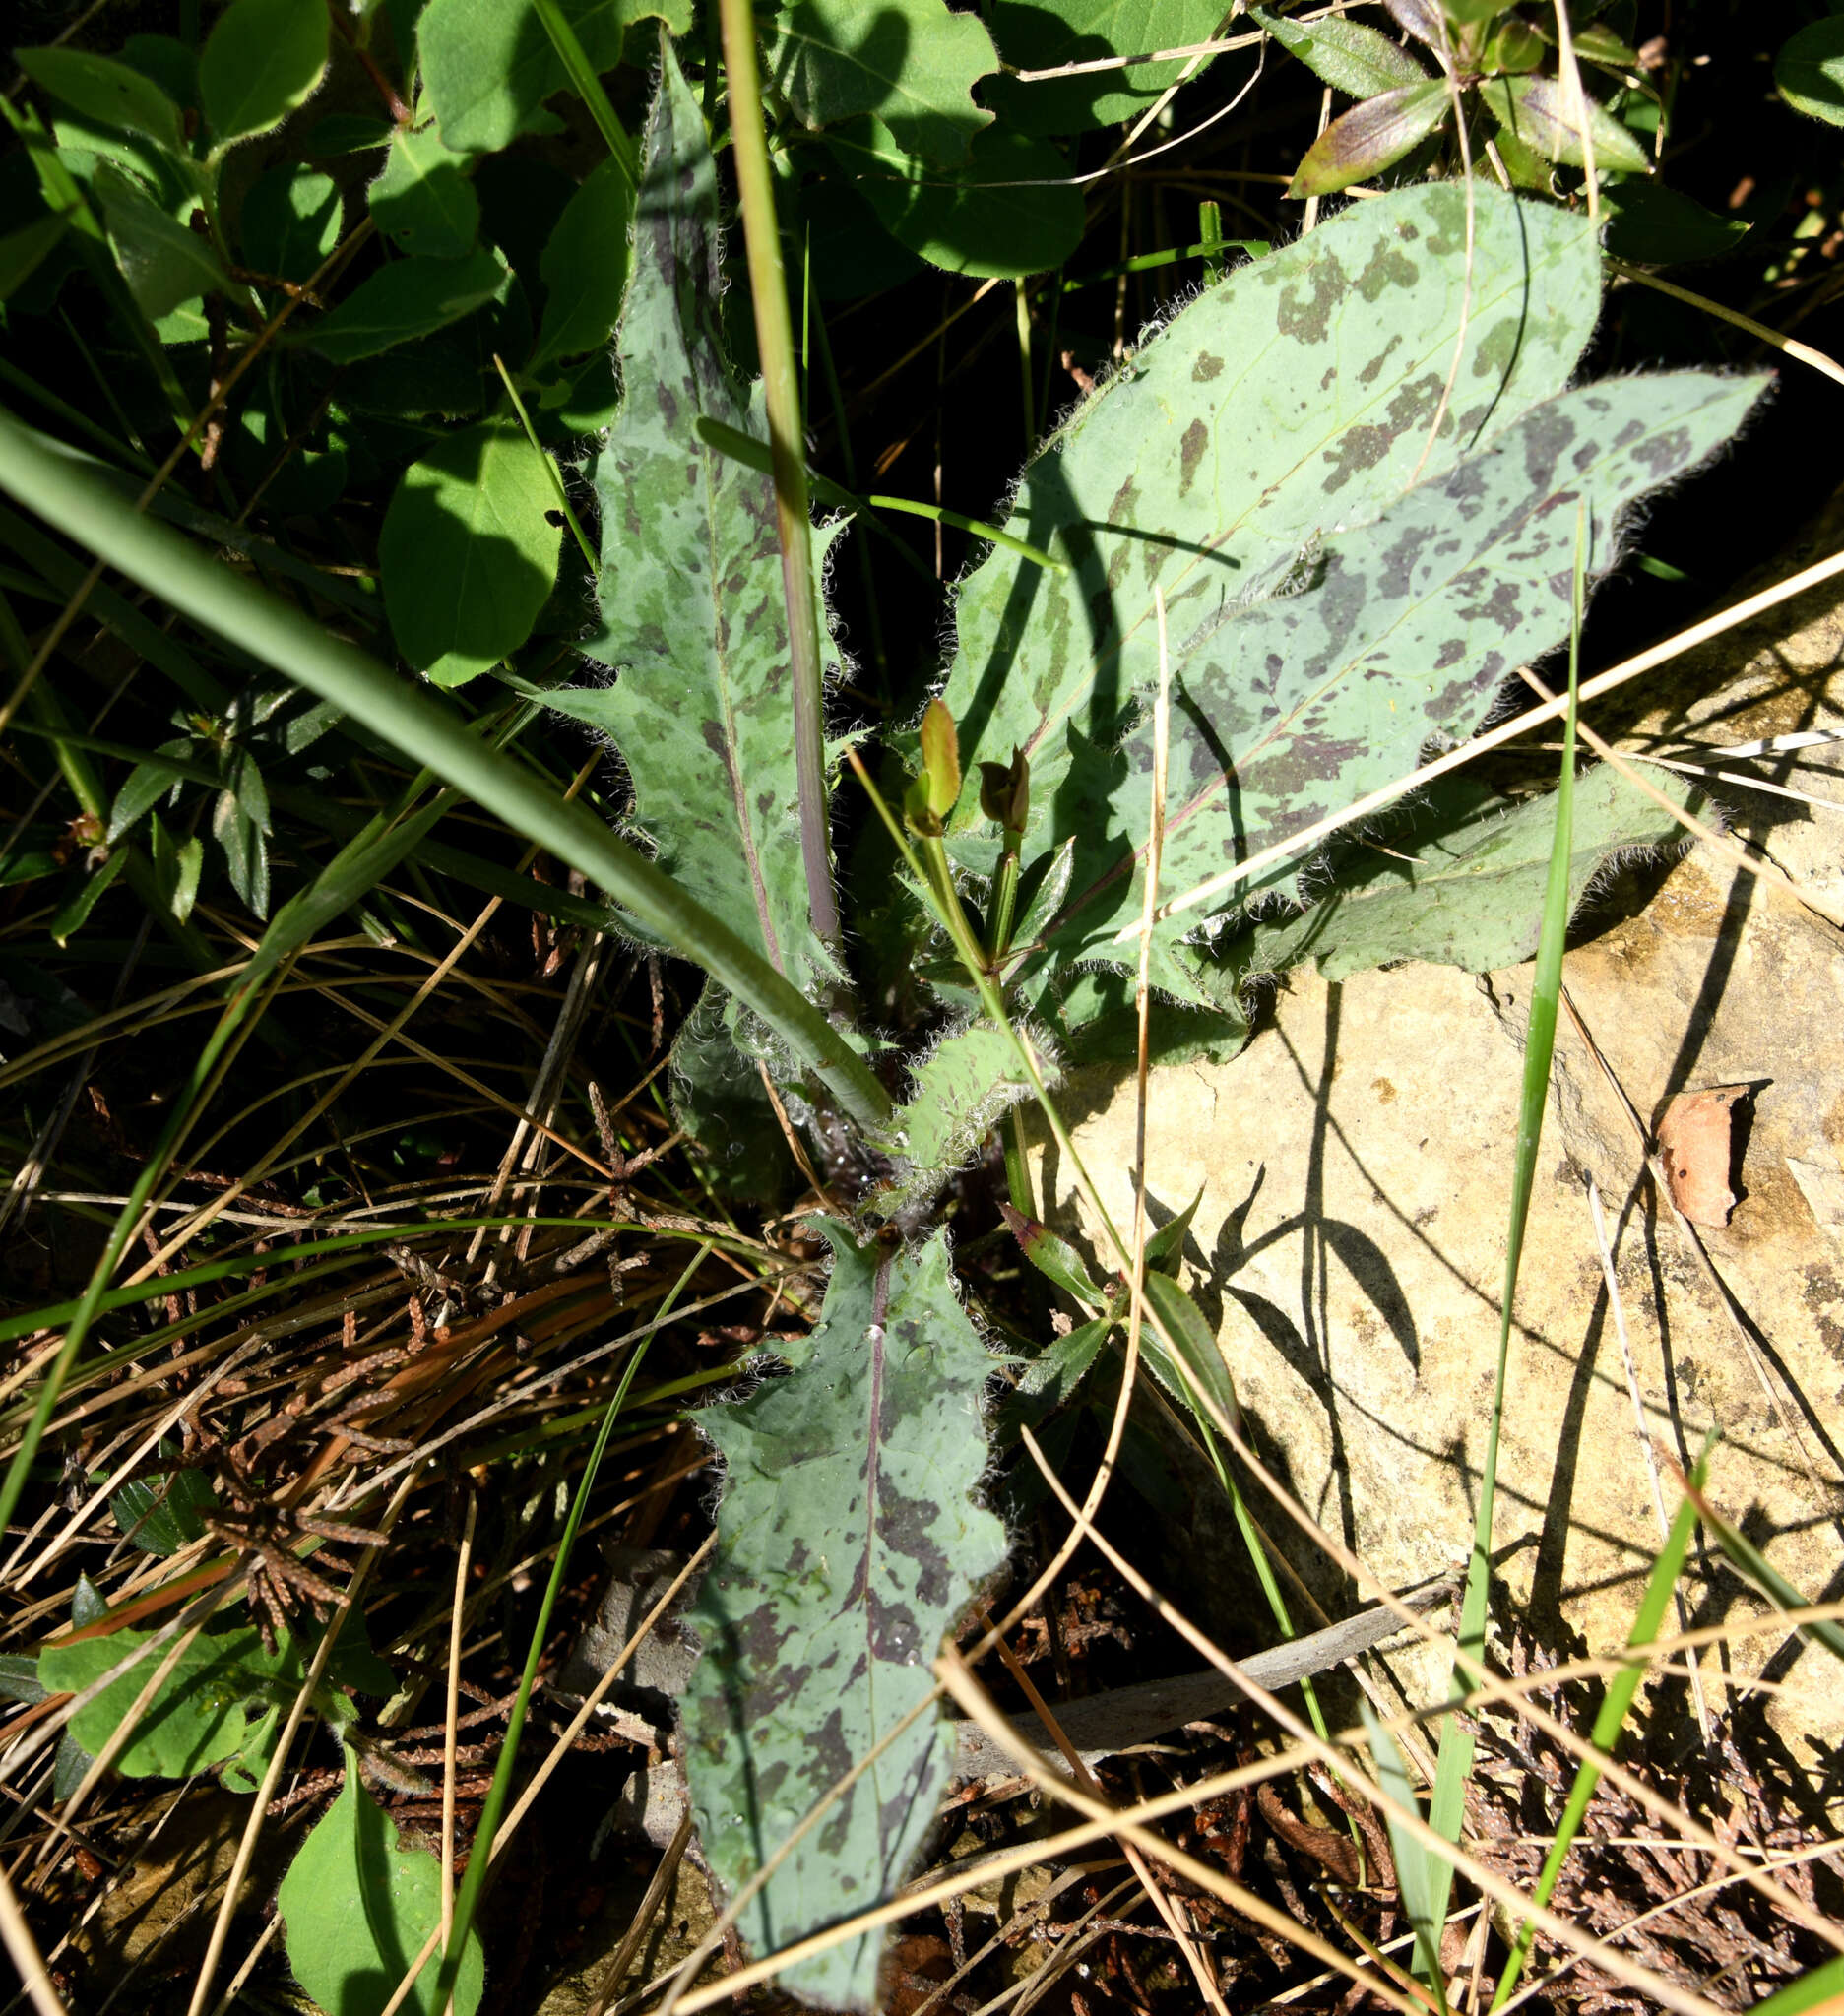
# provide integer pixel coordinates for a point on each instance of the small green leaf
(161, 1514)
(145, 786)
(1370, 136)
(1055, 1259)
(1199, 1357)
(467, 555)
(1165, 1249)
(357, 1904)
(1809, 70)
(585, 265)
(110, 92)
(177, 868)
(488, 65)
(22, 252)
(199, 1716)
(1012, 211)
(1542, 115)
(19, 1679)
(262, 59)
(74, 912)
(409, 298)
(1652, 225)
(423, 202)
(914, 63)
(163, 262)
(290, 222)
(1346, 55)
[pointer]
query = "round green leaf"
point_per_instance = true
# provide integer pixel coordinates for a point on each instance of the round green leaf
(468, 554)
(912, 63)
(1012, 211)
(1809, 70)
(290, 221)
(198, 1715)
(264, 57)
(423, 201)
(356, 1905)
(1043, 34)
(585, 265)
(105, 90)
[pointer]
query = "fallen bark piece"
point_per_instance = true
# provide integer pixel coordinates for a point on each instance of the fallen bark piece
(1103, 1725)
(1696, 1139)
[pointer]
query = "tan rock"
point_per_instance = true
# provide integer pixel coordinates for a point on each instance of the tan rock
(1356, 1165)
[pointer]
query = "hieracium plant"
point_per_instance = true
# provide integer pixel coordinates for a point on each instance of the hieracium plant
(1326, 510)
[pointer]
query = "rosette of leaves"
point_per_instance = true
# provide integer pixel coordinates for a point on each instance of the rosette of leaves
(1483, 55)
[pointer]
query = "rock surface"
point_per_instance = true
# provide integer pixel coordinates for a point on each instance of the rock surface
(1356, 1163)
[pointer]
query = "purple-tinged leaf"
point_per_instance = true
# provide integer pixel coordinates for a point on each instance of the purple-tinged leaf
(1370, 136)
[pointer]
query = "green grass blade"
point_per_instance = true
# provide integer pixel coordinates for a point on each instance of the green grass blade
(1455, 1763)
(1422, 1876)
(83, 502)
(1822, 1986)
(1607, 1724)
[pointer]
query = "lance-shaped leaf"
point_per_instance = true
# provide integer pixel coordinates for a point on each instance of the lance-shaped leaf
(1463, 884)
(693, 614)
(1370, 136)
(1543, 115)
(1349, 55)
(1288, 711)
(1303, 393)
(847, 1545)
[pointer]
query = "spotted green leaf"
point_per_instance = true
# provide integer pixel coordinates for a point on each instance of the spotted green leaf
(1286, 710)
(914, 63)
(1462, 883)
(849, 1544)
(488, 65)
(1300, 394)
(693, 616)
